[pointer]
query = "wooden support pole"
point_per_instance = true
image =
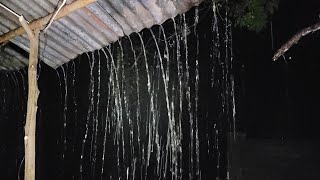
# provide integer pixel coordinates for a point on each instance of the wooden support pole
(40, 23)
(33, 93)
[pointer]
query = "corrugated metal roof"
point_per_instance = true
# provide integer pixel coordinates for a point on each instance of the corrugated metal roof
(87, 29)
(11, 60)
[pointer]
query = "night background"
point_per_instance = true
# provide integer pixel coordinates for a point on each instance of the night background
(276, 103)
(279, 99)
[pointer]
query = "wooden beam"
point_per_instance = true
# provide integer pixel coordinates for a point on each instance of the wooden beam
(33, 93)
(40, 23)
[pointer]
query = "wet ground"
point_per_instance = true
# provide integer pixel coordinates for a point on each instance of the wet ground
(275, 159)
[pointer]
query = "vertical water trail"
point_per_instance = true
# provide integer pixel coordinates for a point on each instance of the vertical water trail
(3, 95)
(91, 93)
(23, 95)
(197, 78)
(59, 79)
(172, 140)
(74, 95)
(232, 90)
(154, 131)
(152, 108)
(61, 116)
(13, 88)
(107, 123)
(91, 113)
(166, 59)
(166, 53)
(89, 60)
(179, 74)
(155, 124)
(223, 63)
(14, 79)
(60, 89)
(4, 91)
(125, 98)
(96, 116)
(188, 96)
(118, 105)
(217, 149)
(216, 83)
(165, 82)
(115, 109)
(229, 80)
(164, 78)
(18, 90)
(75, 106)
(16, 84)
(226, 69)
(138, 112)
(122, 96)
(22, 80)
(215, 41)
(65, 108)
(233, 105)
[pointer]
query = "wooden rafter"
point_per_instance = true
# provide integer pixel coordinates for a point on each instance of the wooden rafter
(40, 23)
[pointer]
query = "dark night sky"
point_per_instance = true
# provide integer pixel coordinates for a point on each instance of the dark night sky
(279, 99)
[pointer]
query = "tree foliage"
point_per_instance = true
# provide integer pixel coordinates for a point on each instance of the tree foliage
(252, 14)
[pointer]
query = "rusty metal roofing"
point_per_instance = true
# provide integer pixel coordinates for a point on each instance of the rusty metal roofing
(87, 29)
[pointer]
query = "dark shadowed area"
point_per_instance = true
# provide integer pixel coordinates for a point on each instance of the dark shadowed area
(278, 102)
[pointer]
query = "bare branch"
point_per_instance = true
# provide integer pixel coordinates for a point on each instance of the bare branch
(294, 40)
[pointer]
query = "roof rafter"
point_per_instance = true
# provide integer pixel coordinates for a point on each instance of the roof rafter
(40, 23)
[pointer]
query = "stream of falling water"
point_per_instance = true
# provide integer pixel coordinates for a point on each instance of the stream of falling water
(157, 105)
(13, 102)
(151, 124)
(65, 109)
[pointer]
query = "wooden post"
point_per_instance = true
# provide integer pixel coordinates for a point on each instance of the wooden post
(33, 93)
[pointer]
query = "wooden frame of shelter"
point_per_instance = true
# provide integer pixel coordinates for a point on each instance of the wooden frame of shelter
(33, 31)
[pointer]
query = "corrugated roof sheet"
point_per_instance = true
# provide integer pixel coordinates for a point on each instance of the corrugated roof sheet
(11, 60)
(87, 29)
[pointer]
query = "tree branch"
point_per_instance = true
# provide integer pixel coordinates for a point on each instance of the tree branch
(294, 40)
